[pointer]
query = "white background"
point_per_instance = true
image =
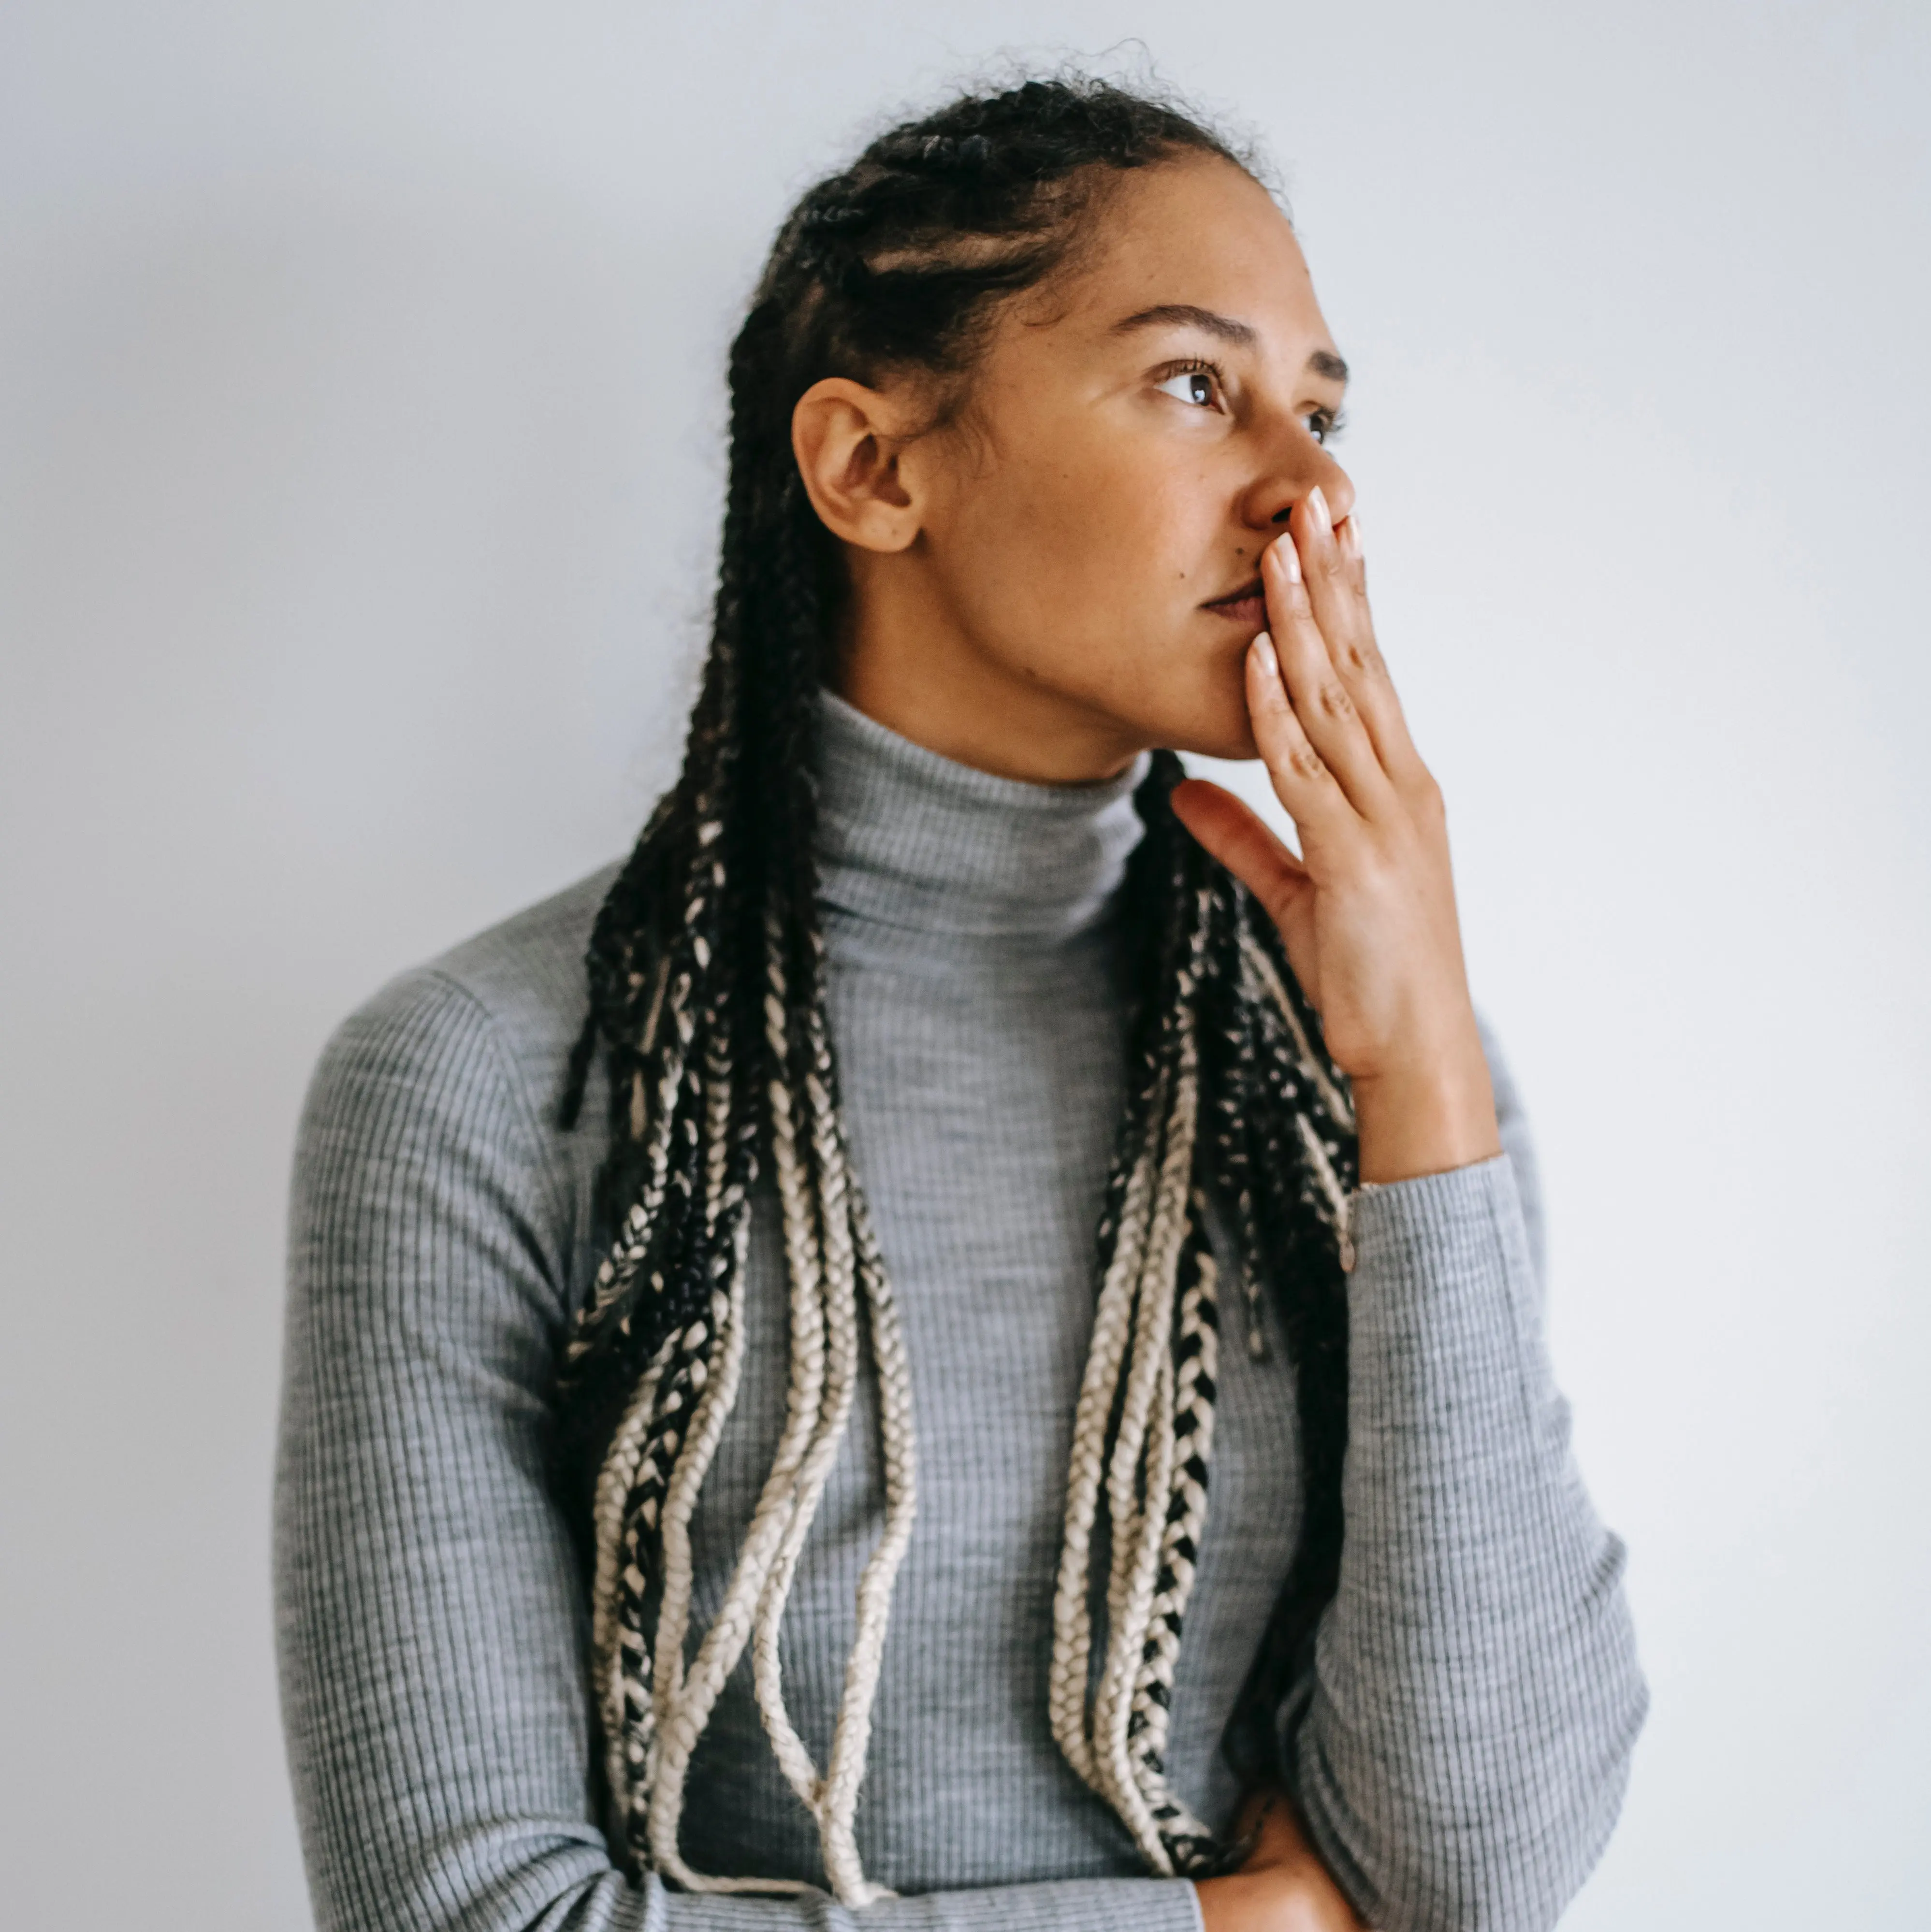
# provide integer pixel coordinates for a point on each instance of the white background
(360, 423)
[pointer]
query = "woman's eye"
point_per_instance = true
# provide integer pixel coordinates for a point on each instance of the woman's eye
(1191, 386)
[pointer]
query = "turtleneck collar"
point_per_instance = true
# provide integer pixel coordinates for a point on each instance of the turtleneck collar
(912, 839)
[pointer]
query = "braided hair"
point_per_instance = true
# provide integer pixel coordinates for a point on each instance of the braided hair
(707, 982)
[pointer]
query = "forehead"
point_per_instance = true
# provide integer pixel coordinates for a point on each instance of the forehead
(1197, 233)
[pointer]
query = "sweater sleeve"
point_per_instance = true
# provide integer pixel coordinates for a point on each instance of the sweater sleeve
(430, 1630)
(1460, 1742)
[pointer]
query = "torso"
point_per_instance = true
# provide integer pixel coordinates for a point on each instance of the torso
(981, 1044)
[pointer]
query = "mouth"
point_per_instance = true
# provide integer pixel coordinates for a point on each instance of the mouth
(1246, 606)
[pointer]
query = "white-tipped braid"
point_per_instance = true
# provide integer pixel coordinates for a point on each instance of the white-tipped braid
(1157, 1372)
(632, 1243)
(609, 1637)
(652, 1703)
(656, 1461)
(1193, 1374)
(1143, 1431)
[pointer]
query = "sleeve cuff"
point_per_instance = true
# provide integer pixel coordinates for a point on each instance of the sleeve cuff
(1442, 1276)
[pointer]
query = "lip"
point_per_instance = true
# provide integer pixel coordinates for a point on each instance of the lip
(1247, 606)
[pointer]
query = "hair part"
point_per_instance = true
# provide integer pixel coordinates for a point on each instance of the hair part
(707, 1023)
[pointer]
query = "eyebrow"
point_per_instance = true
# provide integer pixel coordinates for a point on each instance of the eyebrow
(1323, 362)
(1189, 315)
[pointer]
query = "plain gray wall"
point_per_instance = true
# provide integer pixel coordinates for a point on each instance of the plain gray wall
(360, 413)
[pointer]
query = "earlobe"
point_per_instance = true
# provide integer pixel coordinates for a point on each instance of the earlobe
(847, 438)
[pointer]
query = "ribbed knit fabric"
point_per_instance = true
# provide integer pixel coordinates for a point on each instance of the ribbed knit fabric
(1461, 1743)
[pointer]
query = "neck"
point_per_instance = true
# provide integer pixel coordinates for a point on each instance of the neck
(932, 847)
(907, 662)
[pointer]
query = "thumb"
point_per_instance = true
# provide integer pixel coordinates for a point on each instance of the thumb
(1234, 833)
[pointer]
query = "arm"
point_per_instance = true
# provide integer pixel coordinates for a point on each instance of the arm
(1461, 1746)
(430, 1622)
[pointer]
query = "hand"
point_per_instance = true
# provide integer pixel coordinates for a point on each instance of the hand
(1367, 912)
(1283, 1887)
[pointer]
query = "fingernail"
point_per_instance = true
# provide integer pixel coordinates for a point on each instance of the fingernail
(1263, 649)
(1317, 508)
(1290, 558)
(1350, 533)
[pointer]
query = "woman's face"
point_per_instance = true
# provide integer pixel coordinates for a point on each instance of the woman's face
(1084, 579)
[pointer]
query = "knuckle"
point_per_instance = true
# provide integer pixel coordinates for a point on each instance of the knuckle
(1305, 761)
(1335, 700)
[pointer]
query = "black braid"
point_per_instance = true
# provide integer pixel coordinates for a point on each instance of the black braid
(900, 262)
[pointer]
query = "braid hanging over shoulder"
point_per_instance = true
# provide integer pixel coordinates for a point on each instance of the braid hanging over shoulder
(707, 1011)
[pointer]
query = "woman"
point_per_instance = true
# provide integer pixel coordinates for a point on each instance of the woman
(725, 1482)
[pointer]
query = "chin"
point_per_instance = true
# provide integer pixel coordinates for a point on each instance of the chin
(1210, 719)
(1235, 745)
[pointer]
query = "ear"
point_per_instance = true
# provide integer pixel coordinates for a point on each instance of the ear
(847, 438)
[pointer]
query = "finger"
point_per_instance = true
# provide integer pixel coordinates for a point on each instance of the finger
(1359, 659)
(1321, 699)
(1334, 564)
(1231, 829)
(1235, 835)
(1301, 780)
(1336, 582)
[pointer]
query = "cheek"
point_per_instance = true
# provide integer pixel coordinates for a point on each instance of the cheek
(1079, 566)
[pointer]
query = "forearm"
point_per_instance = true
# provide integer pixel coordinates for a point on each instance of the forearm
(1074, 1905)
(1461, 1749)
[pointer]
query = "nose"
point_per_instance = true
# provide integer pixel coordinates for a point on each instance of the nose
(1299, 468)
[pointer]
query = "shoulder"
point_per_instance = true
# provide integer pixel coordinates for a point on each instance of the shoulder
(523, 978)
(466, 1048)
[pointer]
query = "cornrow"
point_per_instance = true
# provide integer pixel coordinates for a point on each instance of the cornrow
(707, 1013)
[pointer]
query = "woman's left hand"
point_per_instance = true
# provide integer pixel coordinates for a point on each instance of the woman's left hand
(1367, 911)
(1282, 1887)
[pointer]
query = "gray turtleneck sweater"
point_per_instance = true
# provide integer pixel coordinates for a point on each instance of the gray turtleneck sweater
(1461, 1743)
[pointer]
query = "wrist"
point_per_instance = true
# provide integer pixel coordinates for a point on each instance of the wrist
(1426, 1118)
